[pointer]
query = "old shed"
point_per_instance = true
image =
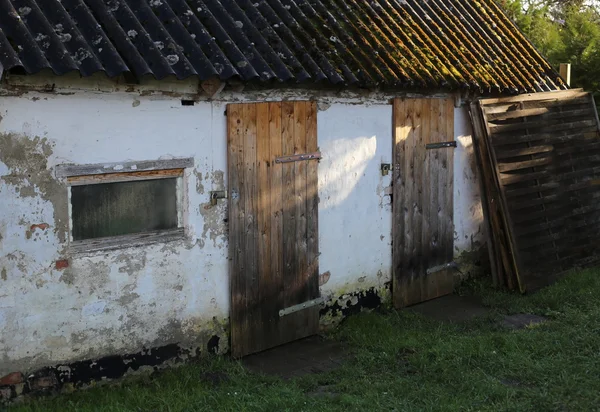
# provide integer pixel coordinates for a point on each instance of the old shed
(181, 177)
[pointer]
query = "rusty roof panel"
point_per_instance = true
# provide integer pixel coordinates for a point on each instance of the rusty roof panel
(386, 44)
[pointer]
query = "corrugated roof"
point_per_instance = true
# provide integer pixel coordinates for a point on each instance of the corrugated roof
(390, 44)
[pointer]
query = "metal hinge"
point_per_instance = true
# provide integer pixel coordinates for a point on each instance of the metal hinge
(298, 157)
(301, 306)
(440, 145)
(451, 265)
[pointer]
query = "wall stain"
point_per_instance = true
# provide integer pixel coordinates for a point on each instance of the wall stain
(132, 263)
(353, 303)
(27, 161)
(67, 277)
(213, 344)
(32, 229)
(215, 216)
(128, 298)
(199, 185)
(98, 275)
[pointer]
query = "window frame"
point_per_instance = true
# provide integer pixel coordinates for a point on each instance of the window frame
(89, 174)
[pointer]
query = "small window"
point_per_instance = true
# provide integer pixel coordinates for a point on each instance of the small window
(118, 209)
(124, 208)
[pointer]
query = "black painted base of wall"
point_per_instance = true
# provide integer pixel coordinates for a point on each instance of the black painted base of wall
(51, 380)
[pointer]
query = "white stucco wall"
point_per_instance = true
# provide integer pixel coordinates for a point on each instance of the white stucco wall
(120, 301)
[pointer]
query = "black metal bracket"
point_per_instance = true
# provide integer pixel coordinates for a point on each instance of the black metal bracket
(440, 145)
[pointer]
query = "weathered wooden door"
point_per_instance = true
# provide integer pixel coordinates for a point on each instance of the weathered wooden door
(423, 230)
(273, 232)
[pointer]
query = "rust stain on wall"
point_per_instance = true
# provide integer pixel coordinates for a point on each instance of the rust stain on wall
(32, 229)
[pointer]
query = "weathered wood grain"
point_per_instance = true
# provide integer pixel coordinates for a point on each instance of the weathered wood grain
(312, 216)
(124, 177)
(235, 164)
(274, 223)
(423, 230)
(267, 300)
(401, 134)
(67, 170)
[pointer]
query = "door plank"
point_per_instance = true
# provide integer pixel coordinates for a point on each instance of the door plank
(312, 211)
(437, 135)
(300, 287)
(412, 217)
(289, 195)
(425, 194)
(312, 199)
(445, 279)
(267, 296)
(236, 222)
(402, 152)
(250, 184)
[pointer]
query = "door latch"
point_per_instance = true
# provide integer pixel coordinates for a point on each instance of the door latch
(216, 195)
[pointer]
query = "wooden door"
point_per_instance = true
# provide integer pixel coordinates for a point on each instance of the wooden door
(273, 227)
(423, 229)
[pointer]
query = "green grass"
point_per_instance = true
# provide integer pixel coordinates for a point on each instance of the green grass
(401, 361)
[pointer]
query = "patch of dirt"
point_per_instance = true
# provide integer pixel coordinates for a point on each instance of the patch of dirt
(452, 308)
(307, 356)
(522, 321)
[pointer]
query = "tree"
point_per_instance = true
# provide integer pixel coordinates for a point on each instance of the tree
(565, 31)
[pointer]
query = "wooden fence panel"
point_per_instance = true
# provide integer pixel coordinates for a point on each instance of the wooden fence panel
(541, 154)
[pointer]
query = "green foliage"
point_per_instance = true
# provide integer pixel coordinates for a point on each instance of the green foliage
(565, 31)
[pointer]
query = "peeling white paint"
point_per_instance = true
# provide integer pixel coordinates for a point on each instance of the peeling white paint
(120, 301)
(94, 308)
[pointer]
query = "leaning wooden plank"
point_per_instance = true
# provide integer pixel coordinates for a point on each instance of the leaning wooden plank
(551, 137)
(573, 222)
(507, 225)
(512, 166)
(540, 121)
(548, 127)
(559, 95)
(491, 240)
(493, 111)
(552, 188)
(506, 154)
(505, 266)
(579, 107)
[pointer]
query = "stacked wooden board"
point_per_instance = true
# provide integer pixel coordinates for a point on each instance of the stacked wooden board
(539, 161)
